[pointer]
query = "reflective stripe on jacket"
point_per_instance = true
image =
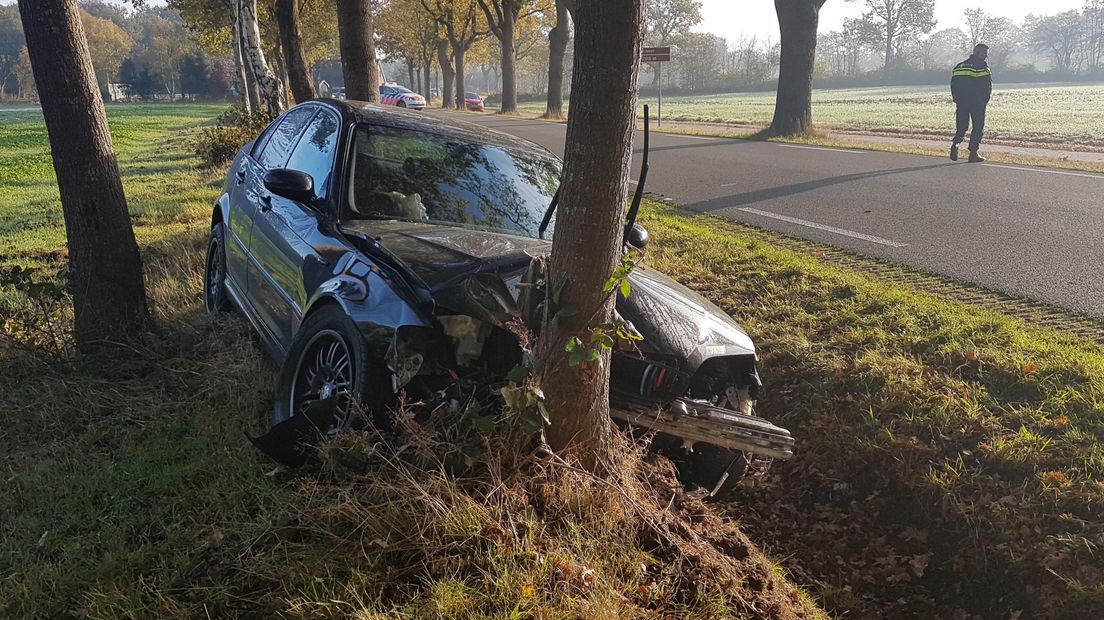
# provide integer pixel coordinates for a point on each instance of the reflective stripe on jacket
(971, 82)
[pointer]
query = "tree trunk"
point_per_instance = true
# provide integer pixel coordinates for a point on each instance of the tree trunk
(358, 50)
(249, 95)
(287, 18)
(458, 62)
(557, 49)
(793, 106)
(268, 84)
(509, 74)
(447, 74)
(427, 69)
(888, 53)
(109, 295)
(410, 73)
(588, 239)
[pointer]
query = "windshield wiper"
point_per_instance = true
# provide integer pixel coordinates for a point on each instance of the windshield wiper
(548, 214)
(634, 208)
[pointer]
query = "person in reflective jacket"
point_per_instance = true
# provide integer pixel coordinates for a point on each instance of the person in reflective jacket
(971, 88)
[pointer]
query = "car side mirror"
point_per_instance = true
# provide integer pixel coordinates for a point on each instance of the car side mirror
(637, 237)
(291, 184)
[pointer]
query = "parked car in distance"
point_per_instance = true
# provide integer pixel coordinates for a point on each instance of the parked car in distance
(375, 251)
(473, 101)
(401, 96)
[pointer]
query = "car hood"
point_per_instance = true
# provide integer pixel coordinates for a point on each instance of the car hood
(477, 273)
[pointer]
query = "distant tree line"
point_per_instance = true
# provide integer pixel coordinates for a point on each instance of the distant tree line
(893, 41)
(148, 53)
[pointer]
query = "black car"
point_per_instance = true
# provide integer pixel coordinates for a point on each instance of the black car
(371, 249)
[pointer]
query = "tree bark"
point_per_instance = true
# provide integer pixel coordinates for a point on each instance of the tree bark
(509, 73)
(250, 96)
(410, 73)
(427, 69)
(295, 62)
(268, 84)
(588, 238)
(793, 106)
(359, 65)
(458, 62)
(447, 73)
(557, 49)
(106, 281)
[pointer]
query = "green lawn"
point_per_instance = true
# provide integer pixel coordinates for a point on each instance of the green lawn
(1061, 114)
(159, 184)
(950, 459)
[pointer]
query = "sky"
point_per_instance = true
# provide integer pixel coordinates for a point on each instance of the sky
(733, 18)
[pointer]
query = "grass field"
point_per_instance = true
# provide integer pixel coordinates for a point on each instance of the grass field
(950, 459)
(161, 187)
(1059, 114)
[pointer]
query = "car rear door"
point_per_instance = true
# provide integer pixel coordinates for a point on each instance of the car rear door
(263, 295)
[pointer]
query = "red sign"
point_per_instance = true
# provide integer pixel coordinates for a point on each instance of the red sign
(656, 54)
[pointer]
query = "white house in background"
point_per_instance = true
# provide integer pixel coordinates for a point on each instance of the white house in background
(118, 92)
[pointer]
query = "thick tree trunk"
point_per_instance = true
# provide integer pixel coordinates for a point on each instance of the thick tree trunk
(509, 73)
(557, 49)
(410, 73)
(447, 73)
(793, 106)
(888, 53)
(250, 96)
(109, 296)
(458, 63)
(358, 50)
(267, 83)
(287, 17)
(427, 69)
(588, 239)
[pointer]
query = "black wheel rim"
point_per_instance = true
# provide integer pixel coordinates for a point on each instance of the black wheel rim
(215, 276)
(324, 376)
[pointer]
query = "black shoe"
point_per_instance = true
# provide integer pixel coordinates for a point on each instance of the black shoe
(954, 152)
(975, 158)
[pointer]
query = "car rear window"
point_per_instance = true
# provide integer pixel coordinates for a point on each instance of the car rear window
(419, 176)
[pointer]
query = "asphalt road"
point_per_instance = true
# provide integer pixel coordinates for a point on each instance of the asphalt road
(1032, 232)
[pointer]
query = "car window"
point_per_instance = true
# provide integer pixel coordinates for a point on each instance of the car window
(284, 136)
(315, 152)
(420, 176)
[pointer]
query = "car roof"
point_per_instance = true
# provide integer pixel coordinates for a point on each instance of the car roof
(431, 121)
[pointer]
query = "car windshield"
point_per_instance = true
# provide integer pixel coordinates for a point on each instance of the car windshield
(471, 95)
(424, 177)
(402, 89)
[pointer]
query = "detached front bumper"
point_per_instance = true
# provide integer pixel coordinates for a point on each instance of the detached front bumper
(694, 421)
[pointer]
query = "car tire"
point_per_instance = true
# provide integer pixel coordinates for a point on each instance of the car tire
(215, 297)
(329, 359)
(402, 104)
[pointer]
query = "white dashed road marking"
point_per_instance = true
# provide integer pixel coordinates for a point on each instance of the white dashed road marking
(1072, 174)
(831, 229)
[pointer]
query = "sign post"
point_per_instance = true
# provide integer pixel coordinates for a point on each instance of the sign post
(658, 55)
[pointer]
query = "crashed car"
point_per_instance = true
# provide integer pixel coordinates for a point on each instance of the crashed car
(372, 250)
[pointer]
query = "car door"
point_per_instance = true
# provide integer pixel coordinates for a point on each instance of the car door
(263, 295)
(239, 224)
(285, 229)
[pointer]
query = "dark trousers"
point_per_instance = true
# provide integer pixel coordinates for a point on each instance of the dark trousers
(963, 117)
